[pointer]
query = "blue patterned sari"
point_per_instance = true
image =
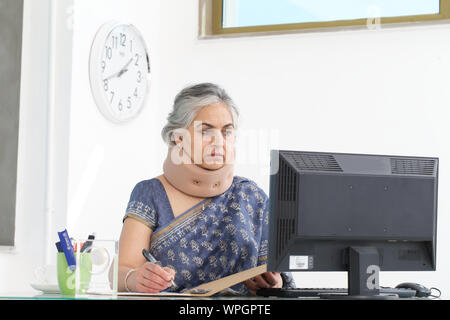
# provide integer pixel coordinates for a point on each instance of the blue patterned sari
(219, 236)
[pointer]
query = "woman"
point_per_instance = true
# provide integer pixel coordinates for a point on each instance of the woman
(197, 219)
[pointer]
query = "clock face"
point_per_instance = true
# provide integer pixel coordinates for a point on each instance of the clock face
(119, 71)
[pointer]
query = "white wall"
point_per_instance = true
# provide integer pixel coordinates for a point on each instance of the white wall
(361, 91)
(107, 160)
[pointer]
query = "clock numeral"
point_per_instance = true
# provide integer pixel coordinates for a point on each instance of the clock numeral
(103, 66)
(129, 102)
(120, 105)
(139, 77)
(109, 52)
(123, 39)
(137, 60)
(114, 41)
(112, 97)
(105, 84)
(135, 94)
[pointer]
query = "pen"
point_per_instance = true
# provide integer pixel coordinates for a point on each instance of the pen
(58, 246)
(67, 248)
(87, 245)
(150, 258)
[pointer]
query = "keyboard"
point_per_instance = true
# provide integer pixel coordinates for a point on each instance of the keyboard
(317, 292)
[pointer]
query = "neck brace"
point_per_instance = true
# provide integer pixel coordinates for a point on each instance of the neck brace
(190, 178)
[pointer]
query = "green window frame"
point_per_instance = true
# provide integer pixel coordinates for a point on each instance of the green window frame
(216, 27)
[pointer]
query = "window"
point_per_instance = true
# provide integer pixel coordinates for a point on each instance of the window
(243, 16)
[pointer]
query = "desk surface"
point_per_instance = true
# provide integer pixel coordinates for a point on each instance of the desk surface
(53, 296)
(36, 295)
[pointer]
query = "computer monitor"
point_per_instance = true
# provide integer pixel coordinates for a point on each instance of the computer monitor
(359, 213)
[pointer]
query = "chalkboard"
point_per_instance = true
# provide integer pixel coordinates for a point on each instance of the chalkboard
(11, 18)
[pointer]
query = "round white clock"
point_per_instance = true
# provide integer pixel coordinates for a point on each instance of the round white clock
(119, 71)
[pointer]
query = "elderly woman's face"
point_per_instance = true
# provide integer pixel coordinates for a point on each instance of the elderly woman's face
(212, 137)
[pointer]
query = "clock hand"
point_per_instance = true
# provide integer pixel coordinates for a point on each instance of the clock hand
(112, 76)
(122, 71)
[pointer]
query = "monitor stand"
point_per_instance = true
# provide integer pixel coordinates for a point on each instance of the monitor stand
(363, 276)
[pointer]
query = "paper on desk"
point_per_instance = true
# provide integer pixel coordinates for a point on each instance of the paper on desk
(210, 288)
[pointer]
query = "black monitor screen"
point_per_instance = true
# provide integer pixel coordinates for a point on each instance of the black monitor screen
(324, 204)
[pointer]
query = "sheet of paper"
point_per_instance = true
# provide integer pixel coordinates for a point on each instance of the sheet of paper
(209, 288)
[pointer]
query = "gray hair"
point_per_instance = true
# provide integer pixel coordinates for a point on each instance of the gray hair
(188, 103)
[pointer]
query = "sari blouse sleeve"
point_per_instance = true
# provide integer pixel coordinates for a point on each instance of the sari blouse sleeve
(141, 207)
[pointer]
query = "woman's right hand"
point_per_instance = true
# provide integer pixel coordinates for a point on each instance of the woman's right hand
(150, 278)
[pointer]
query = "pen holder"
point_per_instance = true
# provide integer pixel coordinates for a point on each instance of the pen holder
(72, 282)
(96, 269)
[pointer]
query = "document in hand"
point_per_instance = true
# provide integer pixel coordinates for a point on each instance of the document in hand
(207, 289)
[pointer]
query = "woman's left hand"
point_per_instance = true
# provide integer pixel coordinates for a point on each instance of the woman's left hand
(265, 280)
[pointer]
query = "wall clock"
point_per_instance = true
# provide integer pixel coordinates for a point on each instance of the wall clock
(119, 71)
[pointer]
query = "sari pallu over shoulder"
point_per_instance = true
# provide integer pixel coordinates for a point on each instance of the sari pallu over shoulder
(215, 238)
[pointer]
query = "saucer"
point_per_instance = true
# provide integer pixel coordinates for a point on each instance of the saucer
(45, 287)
